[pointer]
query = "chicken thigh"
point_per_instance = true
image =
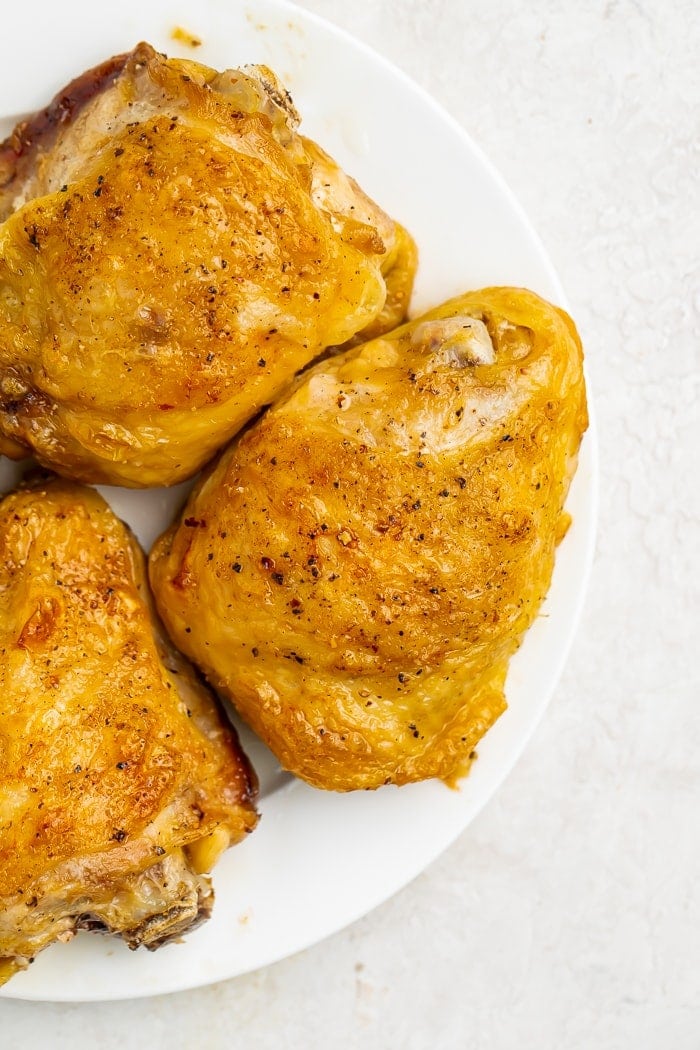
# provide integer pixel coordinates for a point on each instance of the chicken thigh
(120, 781)
(357, 569)
(172, 252)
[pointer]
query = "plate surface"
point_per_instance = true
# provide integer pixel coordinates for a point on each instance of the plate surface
(319, 861)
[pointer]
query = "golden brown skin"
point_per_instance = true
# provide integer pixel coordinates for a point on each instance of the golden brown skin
(172, 253)
(356, 570)
(399, 274)
(120, 781)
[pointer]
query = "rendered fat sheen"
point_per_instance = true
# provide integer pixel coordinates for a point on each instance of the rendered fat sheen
(173, 251)
(121, 780)
(356, 571)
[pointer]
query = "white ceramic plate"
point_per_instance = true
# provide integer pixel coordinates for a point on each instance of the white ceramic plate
(318, 861)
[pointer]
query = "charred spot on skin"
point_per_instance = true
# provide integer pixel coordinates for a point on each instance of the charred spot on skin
(32, 236)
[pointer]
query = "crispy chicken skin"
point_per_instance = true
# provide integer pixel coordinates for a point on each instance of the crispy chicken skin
(172, 252)
(120, 781)
(357, 569)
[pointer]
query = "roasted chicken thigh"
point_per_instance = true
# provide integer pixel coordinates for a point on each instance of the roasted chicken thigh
(172, 252)
(357, 569)
(120, 781)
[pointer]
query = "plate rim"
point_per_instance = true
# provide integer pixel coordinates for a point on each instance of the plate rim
(190, 980)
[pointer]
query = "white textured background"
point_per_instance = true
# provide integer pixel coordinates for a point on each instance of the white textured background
(568, 914)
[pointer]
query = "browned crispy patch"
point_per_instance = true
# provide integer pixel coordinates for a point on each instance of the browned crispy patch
(37, 134)
(40, 625)
(122, 781)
